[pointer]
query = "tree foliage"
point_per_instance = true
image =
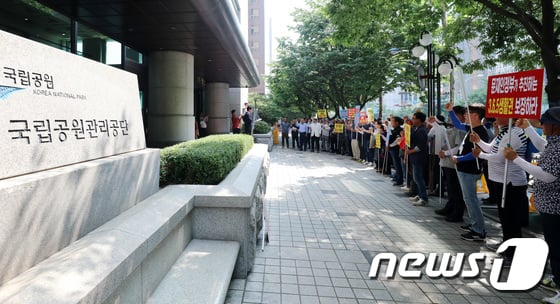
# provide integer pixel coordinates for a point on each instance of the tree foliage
(317, 71)
(522, 33)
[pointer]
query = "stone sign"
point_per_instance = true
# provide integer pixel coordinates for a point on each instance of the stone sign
(57, 108)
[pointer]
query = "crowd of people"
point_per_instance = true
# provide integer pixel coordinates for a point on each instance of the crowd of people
(462, 149)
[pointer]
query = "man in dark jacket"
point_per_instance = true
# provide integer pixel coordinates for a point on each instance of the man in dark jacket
(417, 156)
(248, 120)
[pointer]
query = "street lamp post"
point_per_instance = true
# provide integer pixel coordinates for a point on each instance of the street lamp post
(425, 42)
(436, 68)
(444, 67)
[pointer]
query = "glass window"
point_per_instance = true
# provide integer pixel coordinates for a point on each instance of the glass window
(32, 20)
(98, 47)
(134, 55)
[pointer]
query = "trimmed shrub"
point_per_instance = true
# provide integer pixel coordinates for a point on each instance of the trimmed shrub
(205, 161)
(261, 127)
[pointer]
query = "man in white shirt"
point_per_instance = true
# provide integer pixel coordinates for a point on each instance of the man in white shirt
(315, 134)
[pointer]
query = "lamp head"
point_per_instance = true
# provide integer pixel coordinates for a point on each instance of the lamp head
(445, 67)
(425, 38)
(418, 51)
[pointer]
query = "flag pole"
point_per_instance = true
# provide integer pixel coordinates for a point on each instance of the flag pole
(506, 165)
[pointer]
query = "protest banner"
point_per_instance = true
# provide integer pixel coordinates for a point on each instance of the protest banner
(515, 95)
(363, 118)
(351, 113)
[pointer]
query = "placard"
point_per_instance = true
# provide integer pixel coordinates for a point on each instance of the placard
(351, 113)
(338, 128)
(515, 95)
(407, 134)
(363, 118)
(322, 113)
(343, 114)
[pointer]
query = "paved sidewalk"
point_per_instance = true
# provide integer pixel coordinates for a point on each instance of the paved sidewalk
(329, 216)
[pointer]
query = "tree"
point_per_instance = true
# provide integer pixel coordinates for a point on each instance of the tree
(522, 33)
(317, 72)
(270, 111)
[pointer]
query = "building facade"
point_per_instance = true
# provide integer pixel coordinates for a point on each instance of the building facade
(188, 55)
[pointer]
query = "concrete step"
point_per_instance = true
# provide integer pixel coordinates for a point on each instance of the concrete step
(200, 275)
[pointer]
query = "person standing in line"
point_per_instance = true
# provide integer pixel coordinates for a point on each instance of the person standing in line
(295, 138)
(436, 125)
(248, 120)
(315, 134)
(354, 144)
(285, 126)
(367, 130)
(348, 134)
(308, 122)
(325, 133)
(515, 214)
(454, 208)
(395, 138)
(417, 156)
(547, 188)
(302, 135)
(469, 169)
(235, 122)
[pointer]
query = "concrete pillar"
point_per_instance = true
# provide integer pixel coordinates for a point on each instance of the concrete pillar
(219, 112)
(235, 98)
(171, 116)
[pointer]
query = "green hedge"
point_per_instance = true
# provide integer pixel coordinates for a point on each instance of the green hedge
(261, 127)
(205, 161)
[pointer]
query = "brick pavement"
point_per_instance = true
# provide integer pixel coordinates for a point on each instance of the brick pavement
(329, 216)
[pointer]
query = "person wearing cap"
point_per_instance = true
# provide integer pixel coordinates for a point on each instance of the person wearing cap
(469, 169)
(546, 187)
(515, 214)
(454, 208)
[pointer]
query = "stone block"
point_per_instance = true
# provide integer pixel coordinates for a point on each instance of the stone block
(44, 212)
(183, 283)
(105, 264)
(264, 139)
(72, 109)
(232, 210)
